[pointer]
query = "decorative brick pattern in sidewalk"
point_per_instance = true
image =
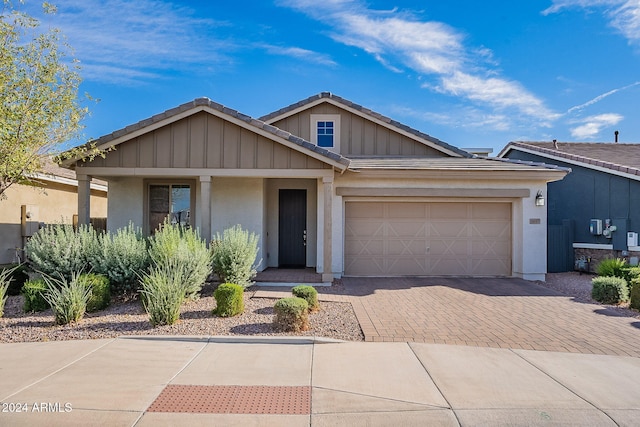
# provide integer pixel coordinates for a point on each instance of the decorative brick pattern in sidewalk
(281, 400)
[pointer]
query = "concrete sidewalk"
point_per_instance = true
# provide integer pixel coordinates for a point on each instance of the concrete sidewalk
(151, 381)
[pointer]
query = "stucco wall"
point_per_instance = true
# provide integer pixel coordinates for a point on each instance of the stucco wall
(126, 203)
(56, 203)
(239, 201)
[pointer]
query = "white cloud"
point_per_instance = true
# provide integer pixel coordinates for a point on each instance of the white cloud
(135, 41)
(435, 49)
(623, 15)
(591, 126)
(299, 53)
(466, 118)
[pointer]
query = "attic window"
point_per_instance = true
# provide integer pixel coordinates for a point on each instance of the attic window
(325, 131)
(325, 134)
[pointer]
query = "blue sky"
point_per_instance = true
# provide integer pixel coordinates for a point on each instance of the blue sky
(471, 73)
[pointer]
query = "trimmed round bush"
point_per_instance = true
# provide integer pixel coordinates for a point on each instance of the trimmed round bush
(33, 291)
(609, 290)
(292, 314)
(100, 291)
(309, 294)
(229, 300)
(635, 294)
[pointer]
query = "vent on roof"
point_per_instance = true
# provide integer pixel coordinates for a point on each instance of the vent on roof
(615, 134)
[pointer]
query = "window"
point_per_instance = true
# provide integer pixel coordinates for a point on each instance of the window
(173, 201)
(325, 131)
(325, 134)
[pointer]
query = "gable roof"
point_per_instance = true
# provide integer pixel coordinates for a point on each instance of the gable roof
(205, 104)
(368, 114)
(614, 158)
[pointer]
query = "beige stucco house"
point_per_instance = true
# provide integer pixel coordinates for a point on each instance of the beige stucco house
(52, 197)
(327, 184)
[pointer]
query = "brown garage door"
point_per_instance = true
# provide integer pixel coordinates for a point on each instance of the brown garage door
(443, 239)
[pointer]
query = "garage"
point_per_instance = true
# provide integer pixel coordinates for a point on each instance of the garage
(423, 238)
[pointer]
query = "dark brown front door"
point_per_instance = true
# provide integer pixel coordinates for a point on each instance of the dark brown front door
(292, 229)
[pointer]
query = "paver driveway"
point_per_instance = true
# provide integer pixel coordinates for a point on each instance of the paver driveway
(506, 313)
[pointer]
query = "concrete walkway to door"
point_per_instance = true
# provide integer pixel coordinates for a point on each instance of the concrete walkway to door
(504, 313)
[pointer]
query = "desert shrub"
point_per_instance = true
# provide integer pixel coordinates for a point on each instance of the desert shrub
(630, 273)
(307, 293)
(183, 248)
(100, 291)
(609, 290)
(291, 314)
(123, 254)
(634, 295)
(611, 267)
(17, 276)
(163, 292)
(5, 281)
(234, 256)
(60, 250)
(67, 298)
(33, 291)
(229, 300)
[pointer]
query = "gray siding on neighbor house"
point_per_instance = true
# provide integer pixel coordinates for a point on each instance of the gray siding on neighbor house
(587, 194)
(206, 141)
(358, 136)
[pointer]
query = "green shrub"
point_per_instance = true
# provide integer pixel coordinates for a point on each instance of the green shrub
(163, 292)
(5, 281)
(184, 248)
(307, 293)
(67, 298)
(123, 254)
(630, 273)
(59, 250)
(291, 314)
(609, 290)
(33, 291)
(17, 276)
(234, 255)
(229, 300)
(100, 291)
(611, 267)
(634, 296)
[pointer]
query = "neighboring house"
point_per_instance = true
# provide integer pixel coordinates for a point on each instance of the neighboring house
(592, 210)
(327, 184)
(52, 197)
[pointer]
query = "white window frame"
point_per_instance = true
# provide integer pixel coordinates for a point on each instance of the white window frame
(335, 118)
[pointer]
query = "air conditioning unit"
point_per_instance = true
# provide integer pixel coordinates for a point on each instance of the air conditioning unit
(632, 238)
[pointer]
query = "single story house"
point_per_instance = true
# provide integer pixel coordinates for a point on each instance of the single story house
(51, 197)
(328, 184)
(594, 213)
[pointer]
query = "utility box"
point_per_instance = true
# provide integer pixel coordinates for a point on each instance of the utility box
(632, 238)
(595, 227)
(29, 220)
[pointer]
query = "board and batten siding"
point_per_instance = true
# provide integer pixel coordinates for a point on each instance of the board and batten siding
(358, 136)
(206, 141)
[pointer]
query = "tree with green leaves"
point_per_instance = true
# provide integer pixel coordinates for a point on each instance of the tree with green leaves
(40, 109)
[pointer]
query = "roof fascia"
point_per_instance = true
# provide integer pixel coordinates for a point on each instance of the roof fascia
(570, 161)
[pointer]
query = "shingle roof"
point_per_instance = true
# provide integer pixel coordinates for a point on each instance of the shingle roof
(366, 111)
(197, 104)
(616, 157)
(448, 163)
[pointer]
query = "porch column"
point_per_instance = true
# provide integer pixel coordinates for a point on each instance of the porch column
(327, 185)
(84, 199)
(205, 208)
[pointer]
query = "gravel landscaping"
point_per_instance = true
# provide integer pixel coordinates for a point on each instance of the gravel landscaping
(334, 320)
